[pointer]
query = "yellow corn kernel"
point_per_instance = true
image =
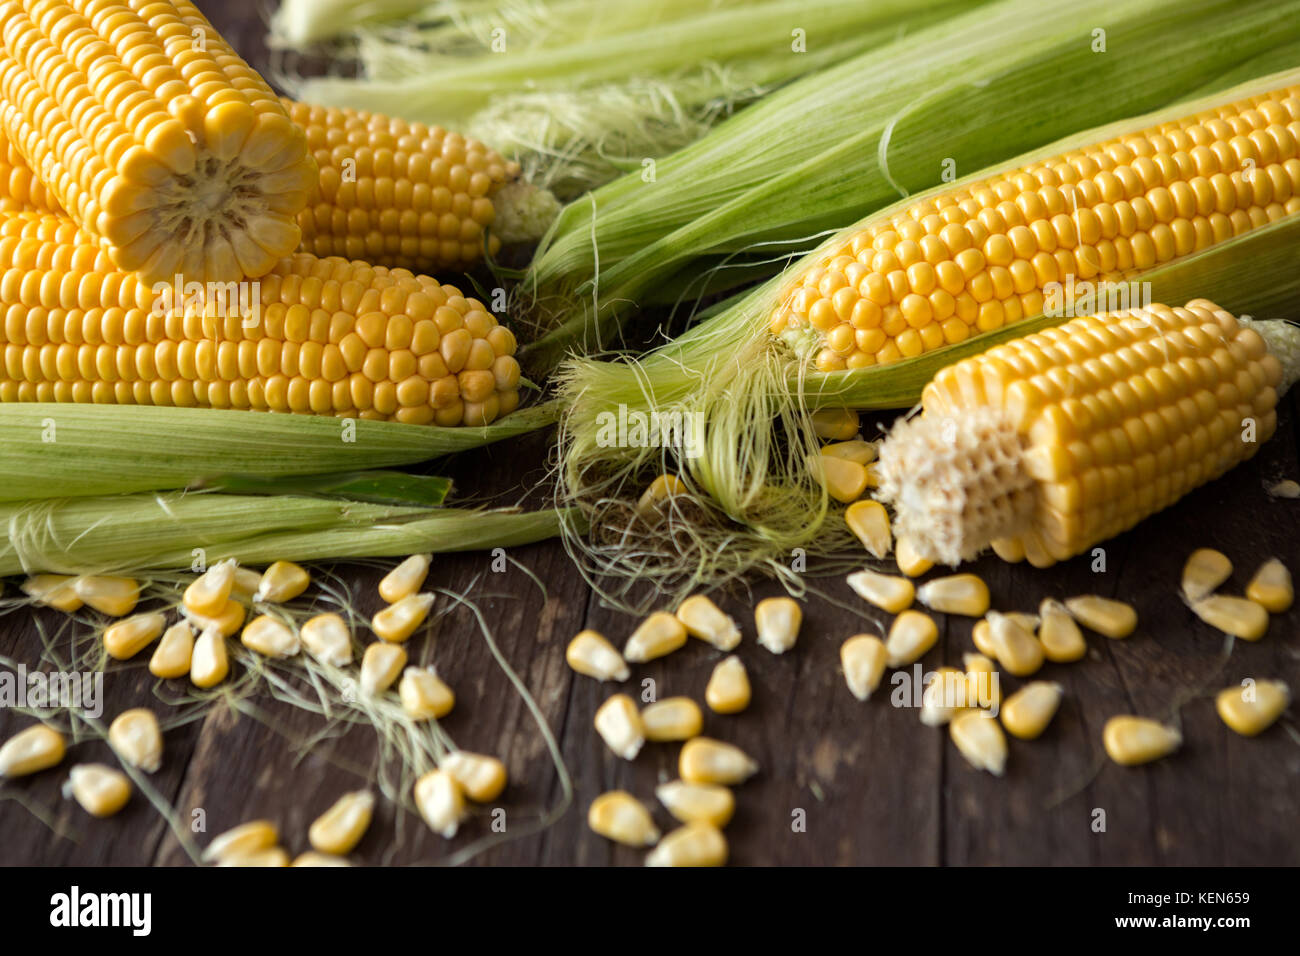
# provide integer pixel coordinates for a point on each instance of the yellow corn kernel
(697, 802)
(1271, 587)
(482, 778)
(341, 827)
(398, 621)
(209, 664)
(778, 621)
(1018, 651)
(983, 683)
(728, 690)
(311, 858)
(327, 638)
(956, 594)
(944, 696)
(270, 637)
(1113, 619)
(1284, 489)
(1254, 706)
(659, 634)
(172, 656)
(695, 844)
(29, 751)
(113, 596)
(589, 653)
(845, 480)
(101, 790)
(673, 718)
(656, 502)
(980, 740)
(886, 591)
(275, 856)
(704, 619)
(910, 561)
(855, 450)
(245, 583)
(1233, 615)
(53, 590)
(863, 658)
(617, 815)
(441, 802)
(227, 623)
(282, 581)
(619, 725)
(869, 521)
(1204, 571)
(243, 840)
(1135, 740)
(424, 694)
(127, 638)
(983, 640)
(1028, 711)
(705, 760)
(835, 424)
(381, 665)
(405, 579)
(910, 636)
(1059, 635)
(209, 592)
(136, 739)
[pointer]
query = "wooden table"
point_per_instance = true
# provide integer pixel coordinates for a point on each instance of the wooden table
(842, 782)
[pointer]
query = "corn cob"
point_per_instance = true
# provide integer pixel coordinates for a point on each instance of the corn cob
(322, 336)
(154, 135)
(1047, 444)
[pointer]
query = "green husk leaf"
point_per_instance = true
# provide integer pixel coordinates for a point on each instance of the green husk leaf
(376, 487)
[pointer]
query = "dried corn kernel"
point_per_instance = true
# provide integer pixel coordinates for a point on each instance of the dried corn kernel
(243, 840)
(1028, 711)
(889, 593)
(956, 594)
(1136, 740)
(695, 844)
(282, 581)
(311, 858)
(405, 579)
(172, 656)
(983, 683)
(1284, 489)
(697, 802)
(1233, 615)
(673, 718)
(341, 827)
(327, 638)
(1204, 571)
(855, 450)
(863, 658)
(589, 653)
(53, 590)
(944, 696)
(1253, 707)
(1113, 619)
(397, 622)
(869, 521)
(659, 634)
(835, 424)
(245, 583)
(209, 592)
(136, 739)
(29, 751)
(380, 667)
(275, 856)
(115, 597)
(621, 817)
(481, 777)
(424, 694)
(910, 636)
(209, 664)
(129, 637)
(703, 619)
(728, 690)
(981, 637)
(656, 502)
(705, 760)
(270, 637)
(441, 802)
(778, 621)
(1018, 651)
(910, 561)
(1271, 587)
(844, 480)
(227, 623)
(980, 740)
(101, 790)
(1059, 635)
(619, 725)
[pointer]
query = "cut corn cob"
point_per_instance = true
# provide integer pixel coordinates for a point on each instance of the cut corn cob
(1068, 436)
(174, 155)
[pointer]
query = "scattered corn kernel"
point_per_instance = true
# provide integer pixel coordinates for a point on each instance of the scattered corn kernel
(209, 592)
(835, 424)
(983, 683)
(695, 844)
(405, 579)
(275, 856)
(1028, 711)
(440, 801)
(245, 583)
(312, 858)
(341, 827)
(1018, 651)
(705, 760)
(1113, 619)
(619, 725)
(589, 653)
(910, 636)
(1233, 615)
(705, 620)
(659, 634)
(863, 658)
(778, 620)
(137, 739)
(29, 751)
(243, 840)
(657, 500)
(129, 637)
(482, 778)
(1059, 635)
(227, 623)
(956, 594)
(621, 817)
(172, 656)
(944, 696)
(728, 690)
(909, 560)
(1204, 571)
(270, 637)
(980, 739)
(381, 665)
(1136, 740)
(1285, 489)
(398, 621)
(869, 521)
(101, 790)
(979, 634)
(424, 694)
(845, 480)
(855, 450)
(1271, 587)
(327, 638)
(53, 590)
(113, 596)
(697, 802)
(673, 718)
(1252, 708)
(282, 581)
(888, 592)
(209, 664)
